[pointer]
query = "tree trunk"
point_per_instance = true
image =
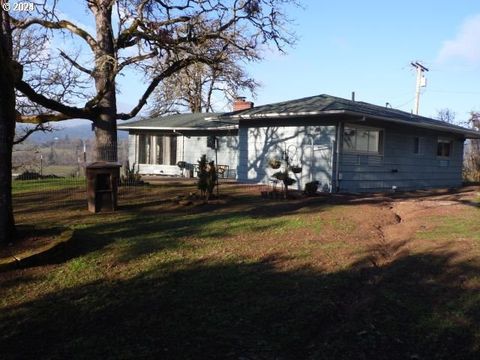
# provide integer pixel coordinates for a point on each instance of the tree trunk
(104, 75)
(7, 132)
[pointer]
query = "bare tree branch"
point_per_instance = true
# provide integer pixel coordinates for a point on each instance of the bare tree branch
(75, 64)
(41, 118)
(70, 111)
(62, 24)
(136, 59)
(27, 132)
(173, 68)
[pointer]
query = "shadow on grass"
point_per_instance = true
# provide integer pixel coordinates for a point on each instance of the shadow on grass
(414, 308)
(31, 203)
(144, 234)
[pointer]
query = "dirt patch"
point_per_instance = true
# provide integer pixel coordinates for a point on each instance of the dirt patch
(411, 215)
(29, 240)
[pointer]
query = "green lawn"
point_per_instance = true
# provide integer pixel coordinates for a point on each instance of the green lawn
(46, 185)
(240, 278)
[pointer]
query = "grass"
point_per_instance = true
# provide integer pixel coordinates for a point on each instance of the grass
(43, 185)
(461, 225)
(240, 278)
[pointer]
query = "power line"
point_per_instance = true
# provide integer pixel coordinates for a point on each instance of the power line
(405, 103)
(455, 92)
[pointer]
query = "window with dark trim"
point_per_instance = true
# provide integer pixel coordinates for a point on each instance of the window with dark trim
(362, 140)
(416, 145)
(444, 147)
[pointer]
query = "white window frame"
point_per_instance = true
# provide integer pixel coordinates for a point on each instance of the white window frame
(381, 145)
(444, 140)
(151, 152)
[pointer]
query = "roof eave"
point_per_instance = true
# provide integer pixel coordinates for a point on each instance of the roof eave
(282, 115)
(233, 127)
(469, 134)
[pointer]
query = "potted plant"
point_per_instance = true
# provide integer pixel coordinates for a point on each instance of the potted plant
(283, 174)
(296, 169)
(274, 163)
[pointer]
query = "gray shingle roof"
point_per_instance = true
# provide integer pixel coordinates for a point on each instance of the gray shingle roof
(329, 105)
(195, 121)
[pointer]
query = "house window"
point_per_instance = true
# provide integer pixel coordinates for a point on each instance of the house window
(144, 143)
(166, 150)
(416, 145)
(444, 147)
(363, 140)
(161, 150)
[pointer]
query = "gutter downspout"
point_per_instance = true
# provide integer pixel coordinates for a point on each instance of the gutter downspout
(338, 133)
(135, 153)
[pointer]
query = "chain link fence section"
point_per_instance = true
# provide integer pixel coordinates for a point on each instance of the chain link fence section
(55, 170)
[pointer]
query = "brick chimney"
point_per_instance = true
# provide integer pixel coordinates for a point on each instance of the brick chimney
(241, 104)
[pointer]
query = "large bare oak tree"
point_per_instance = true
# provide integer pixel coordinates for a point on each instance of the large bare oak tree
(127, 34)
(142, 33)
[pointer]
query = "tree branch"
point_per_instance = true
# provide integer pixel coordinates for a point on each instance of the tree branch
(131, 36)
(136, 59)
(70, 111)
(62, 24)
(172, 69)
(28, 132)
(41, 118)
(75, 64)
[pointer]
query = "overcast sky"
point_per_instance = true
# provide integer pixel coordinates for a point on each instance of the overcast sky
(366, 46)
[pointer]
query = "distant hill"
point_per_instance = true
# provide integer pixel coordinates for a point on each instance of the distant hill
(83, 131)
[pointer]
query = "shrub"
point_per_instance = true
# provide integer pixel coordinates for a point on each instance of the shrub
(131, 176)
(29, 175)
(33, 175)
(311, 188)
(207, 177)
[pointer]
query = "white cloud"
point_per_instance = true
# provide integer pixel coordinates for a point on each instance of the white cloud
(465, 46)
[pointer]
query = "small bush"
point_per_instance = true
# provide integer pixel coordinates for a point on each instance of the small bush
(311, 188)
(33, 175)
(207, 177)
(131, 177)
(29, 175)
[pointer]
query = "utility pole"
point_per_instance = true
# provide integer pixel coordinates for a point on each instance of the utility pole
(421, 82)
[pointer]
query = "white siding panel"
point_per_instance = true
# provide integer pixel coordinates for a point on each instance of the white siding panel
(190, 149)
(309, 147)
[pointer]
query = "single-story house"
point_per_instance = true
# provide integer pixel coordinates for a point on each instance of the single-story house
(346, 145)
(156, 145)
(349, 146)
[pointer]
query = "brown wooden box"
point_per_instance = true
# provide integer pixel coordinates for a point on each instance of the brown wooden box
(102, 186)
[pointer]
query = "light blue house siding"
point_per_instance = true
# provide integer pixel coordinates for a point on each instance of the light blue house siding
(308, 146)
(408, 161)
(405, 157)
